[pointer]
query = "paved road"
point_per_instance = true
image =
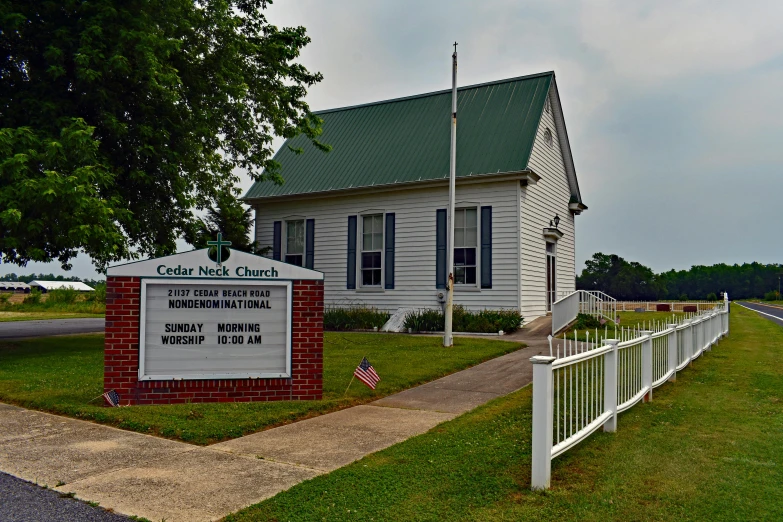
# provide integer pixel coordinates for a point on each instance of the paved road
(773, 313)
(21, 329)
(23, 501)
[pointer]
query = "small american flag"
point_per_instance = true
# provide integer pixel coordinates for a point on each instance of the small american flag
(366, 373)
(112, 397)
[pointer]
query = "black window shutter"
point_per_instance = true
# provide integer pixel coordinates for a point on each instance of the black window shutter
(351, 253)
(440, 248)
(486, 247)
(309, 243)
(389, 268)
(278, 227)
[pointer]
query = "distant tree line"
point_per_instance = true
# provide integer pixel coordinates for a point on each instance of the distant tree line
(632, 281)
(49, 277)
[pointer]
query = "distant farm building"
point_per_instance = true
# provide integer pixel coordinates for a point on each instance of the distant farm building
(14, 286)
(46, 286)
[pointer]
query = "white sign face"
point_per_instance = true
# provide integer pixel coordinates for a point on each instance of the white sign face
(214, 329)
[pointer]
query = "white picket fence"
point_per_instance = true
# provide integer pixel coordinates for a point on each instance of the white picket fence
(570, 304)
(674, 306)
(584, 389)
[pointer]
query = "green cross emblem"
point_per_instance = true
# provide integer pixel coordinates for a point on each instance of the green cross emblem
(219, 244)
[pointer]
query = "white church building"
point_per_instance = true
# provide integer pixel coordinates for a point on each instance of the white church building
(371, 214)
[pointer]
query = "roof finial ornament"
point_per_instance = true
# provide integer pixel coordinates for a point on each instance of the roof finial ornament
(455, 47)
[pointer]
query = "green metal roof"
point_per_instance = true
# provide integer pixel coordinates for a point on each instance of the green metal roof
(408, 139)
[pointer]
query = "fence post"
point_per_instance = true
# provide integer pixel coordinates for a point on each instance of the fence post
(543, 398)
(728, 314)
(610, 385)
(727, 307)
(687, 340)
(673, 359)
(647, 363)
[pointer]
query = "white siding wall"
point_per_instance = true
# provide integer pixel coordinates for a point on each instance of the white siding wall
(540, 202)
(414, 246)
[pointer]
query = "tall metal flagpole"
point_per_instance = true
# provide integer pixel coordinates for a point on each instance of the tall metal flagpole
(448, 339)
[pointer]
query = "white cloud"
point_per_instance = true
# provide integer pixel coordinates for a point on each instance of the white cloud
(654, 40)
(742, 123)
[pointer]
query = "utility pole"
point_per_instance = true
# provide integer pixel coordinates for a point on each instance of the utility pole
(448, 339)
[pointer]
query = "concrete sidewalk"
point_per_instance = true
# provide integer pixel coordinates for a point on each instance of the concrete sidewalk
(156, 478)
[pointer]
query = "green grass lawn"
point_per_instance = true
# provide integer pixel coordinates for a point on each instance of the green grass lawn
(709, 447)
(627, 320)
(761, 301)
(38, 316)
(62, 374)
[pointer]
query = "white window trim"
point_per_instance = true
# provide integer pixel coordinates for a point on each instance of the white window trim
(360, 248)
(476, 287)
(284, 237)
(549, 138)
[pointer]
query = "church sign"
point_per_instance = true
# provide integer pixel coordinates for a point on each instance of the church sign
(214, 330)
(186, 328)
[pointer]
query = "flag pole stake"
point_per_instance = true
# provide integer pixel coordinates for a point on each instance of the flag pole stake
(98, 397)
(349, 385)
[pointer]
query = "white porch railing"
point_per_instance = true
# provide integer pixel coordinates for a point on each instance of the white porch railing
(591, 383)
(570, 304)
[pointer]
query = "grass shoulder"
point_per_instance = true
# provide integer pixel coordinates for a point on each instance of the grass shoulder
(48, 315)
(763, 302)
(62, 375)
(708, 447)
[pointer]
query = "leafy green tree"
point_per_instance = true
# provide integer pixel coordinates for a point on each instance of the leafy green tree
(633, 281)
(619, 278)
(44, 277)
(121, 118)
(230, 217)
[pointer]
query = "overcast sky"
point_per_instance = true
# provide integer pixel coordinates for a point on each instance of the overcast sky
(674, 109)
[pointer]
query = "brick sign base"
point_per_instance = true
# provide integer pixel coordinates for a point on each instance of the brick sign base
(121, 356)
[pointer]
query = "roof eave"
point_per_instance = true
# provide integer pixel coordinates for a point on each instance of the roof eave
(577, 208)
(568, 158)
(525, 176)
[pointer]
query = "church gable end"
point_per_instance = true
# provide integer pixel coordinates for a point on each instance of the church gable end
(551, 154)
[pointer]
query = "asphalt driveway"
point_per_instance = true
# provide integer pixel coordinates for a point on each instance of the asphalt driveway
(22, 501)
